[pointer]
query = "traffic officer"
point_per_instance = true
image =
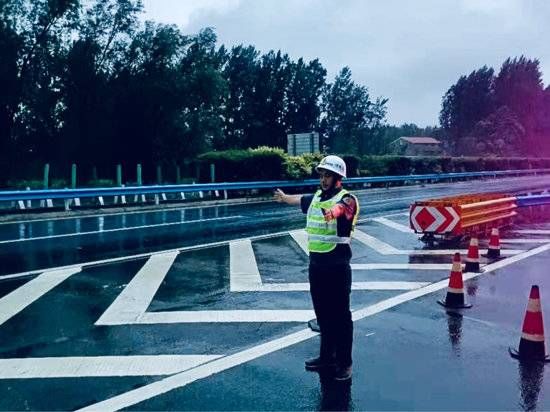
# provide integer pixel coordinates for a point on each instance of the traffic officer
(331, 216)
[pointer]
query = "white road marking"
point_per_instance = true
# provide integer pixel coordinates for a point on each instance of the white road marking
(226, 316)
(388, 200)
(370, 241)
(135, 396)
(23, 296)
(304, 287)
(142, 255)
(243, 269)
(398, 214)
(436, 252)
(401, 266)
(393, 225)
(387, 249)
(136, 212)
(99, 366)
(374, 243)
(300, 237)
(119, 229)
(524, 241)
(533, 232)
(136, 297)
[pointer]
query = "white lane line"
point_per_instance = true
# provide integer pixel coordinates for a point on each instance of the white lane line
(226, 316)
(243, 269)
(23, 296)
(304, 287)
(397, 214)
(387, 249)
(300, 237)
(99, 366)
(388, 200)
(138, 294)
(135, 212)
(144, 255)
(374, 243)
(401, 266)
(524, 241)
(436, 252)
(533, 232)
(179, 380)
(119, 229)
(394, 225)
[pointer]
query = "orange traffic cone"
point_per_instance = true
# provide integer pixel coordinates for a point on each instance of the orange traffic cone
(531, 345)
(455, 291)
(494, 245)
(472, 259)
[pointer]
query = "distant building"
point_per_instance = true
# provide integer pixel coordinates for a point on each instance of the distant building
(416, 146)
(300, 143)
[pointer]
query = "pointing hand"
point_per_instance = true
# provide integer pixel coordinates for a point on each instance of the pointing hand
(279, 196)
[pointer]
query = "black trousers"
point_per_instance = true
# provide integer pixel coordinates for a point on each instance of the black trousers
(330, 287)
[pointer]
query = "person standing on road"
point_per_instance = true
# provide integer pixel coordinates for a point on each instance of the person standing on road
(331, 216)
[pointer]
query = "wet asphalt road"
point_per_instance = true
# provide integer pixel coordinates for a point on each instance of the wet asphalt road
(34, 245)
(409, 354)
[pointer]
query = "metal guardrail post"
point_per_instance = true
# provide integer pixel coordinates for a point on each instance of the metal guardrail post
(159, 175)
(138, 174)
(46, 176)
(119, 175)
(73, 176)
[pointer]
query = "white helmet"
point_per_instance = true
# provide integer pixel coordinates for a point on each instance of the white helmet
(334, 164)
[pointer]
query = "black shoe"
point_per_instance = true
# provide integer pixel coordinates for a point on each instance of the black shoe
(342, 373)
(319, 363)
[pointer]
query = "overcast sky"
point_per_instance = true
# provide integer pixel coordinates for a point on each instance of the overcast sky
(410, 51)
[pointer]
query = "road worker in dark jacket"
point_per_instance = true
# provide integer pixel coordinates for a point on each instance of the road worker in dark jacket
(331, 216)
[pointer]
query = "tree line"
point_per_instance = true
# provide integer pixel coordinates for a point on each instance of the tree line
(86, 81)
(504, 114)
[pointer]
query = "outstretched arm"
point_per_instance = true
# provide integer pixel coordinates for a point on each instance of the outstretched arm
(282, 197)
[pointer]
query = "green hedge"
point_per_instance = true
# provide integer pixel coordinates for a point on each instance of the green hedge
(273, 164)
(263, 163)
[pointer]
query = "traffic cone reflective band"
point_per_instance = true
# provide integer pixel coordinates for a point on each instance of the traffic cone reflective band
(531, 345)
(455, 291)
(494, 244)
(472, 259)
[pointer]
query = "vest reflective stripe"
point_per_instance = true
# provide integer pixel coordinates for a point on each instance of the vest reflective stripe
(322, 236)
(331, 239)
(321, 225)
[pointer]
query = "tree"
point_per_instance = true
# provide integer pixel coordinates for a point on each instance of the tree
(351, 118)
(466, 103)
(304, 96)
(92, 65)
(240, 72)
(270, 101)
(34, 34)
(519, 87)
(500, 134)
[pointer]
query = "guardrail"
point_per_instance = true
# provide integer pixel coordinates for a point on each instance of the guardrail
(74, 195)
(533, 200)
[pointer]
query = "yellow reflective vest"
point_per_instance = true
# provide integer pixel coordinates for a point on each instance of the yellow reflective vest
(323, 236)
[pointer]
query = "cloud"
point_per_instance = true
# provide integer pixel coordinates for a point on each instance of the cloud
(408, 51)
(181, 12)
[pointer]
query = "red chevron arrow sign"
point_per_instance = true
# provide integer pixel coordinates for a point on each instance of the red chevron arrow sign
(434, 219)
